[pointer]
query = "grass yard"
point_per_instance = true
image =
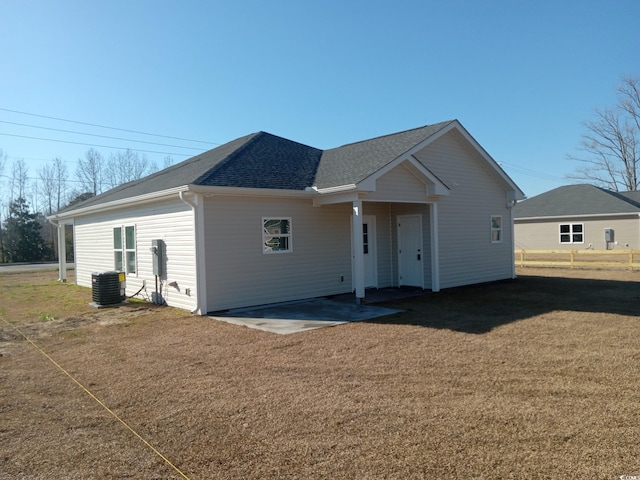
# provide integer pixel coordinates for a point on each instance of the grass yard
(533, 378)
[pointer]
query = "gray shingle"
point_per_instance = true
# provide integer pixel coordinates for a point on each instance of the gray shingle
(266, 161)
(351, 163)
(572, 200)
(262, 160)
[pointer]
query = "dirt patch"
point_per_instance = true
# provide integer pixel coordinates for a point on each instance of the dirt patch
(534, 378)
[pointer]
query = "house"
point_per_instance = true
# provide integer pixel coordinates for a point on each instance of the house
(575, 217)
(263, 219)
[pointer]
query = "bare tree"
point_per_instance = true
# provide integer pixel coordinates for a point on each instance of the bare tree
(611, 143)
(18, 180)
(89, 172)
(167, 161)
(60, 175)
(126, 166)
(3, 162)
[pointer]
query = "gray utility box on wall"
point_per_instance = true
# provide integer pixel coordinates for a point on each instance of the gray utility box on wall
(609, 235)
(108, 288)
(157, 256)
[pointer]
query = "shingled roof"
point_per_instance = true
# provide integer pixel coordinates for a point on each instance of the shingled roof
(265, 161)
(576, 200)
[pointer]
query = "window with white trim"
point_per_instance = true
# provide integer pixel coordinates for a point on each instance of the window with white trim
(571, 233)
(124, 249)
(276, 235)
(496, 229)
(117, 249)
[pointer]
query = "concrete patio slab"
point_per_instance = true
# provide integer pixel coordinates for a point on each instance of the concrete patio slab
(300, 316)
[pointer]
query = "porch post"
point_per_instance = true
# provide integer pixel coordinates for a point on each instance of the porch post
(62, 254)
(435, 252)
(358, 254)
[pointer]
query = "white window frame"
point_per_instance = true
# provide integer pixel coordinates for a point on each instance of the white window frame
(571, 233)
(125, 250)
(498, 230)
(269, 236)
(118, 250)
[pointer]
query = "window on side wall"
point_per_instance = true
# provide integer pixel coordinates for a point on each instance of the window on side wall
(124, 249)
(496, 229)
(117, 249)
(276, 235)
(571, 233)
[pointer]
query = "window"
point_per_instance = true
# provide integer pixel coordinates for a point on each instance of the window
(496, 229)
(365, 238)
(117, 249)
(124, 249)
(130, 247)
(571, 233)
(276, 235)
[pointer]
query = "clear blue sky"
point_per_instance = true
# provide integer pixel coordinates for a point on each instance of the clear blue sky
(521, 76)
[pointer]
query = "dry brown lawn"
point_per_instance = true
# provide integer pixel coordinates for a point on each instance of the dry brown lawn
(533, 378)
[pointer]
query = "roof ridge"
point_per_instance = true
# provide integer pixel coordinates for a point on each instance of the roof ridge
(252, 137)
(397, 133)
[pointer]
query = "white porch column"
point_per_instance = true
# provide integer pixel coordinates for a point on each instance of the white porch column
(62, 254)
(513, 241)
(435, 252)
(358, 253)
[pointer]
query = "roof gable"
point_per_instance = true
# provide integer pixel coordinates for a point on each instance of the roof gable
(576, 200)
(352, 163)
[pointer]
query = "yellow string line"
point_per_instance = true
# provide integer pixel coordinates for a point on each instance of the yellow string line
(99, 401)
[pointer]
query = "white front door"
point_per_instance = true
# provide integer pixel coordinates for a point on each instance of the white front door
(369, 251)
(410, 267)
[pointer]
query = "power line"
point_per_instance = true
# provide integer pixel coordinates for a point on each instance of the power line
(94, 145)
(104, 126)
(530, 172)
(96, 135)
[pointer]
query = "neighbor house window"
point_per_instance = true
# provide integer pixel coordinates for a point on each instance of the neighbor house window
(571, 233)
(124, 249)
(496, 229)
(276, 235)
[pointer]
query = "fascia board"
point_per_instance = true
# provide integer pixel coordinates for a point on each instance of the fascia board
(103, 207)
(590, 215)
(335, 198)
(437, 187)
(231, 191)
(250, 192)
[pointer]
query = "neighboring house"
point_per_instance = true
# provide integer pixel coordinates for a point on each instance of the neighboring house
(264, 219)
(576, 217)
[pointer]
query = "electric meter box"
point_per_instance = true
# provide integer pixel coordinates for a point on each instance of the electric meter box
(157, 256)
(609, 235)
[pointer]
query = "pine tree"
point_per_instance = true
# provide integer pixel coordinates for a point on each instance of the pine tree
(23, 240)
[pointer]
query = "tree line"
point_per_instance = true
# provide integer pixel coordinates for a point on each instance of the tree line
(610, 158)
(29, 197)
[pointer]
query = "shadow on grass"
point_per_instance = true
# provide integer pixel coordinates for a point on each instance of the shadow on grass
(481, 308)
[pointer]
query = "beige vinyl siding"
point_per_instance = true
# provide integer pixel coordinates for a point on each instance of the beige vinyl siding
(171, 222)
(384, 241)
(466, 253)
(399, 185)
(544, 234)
(240, 274)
